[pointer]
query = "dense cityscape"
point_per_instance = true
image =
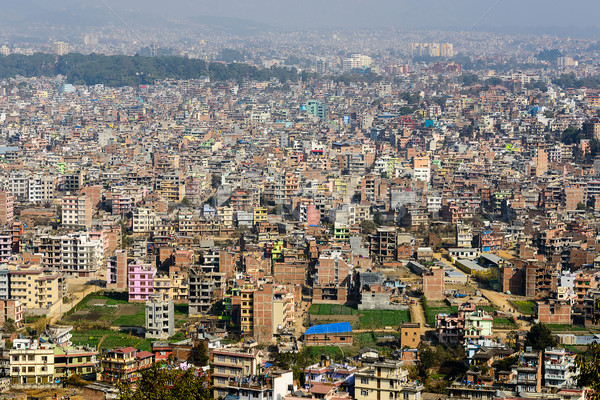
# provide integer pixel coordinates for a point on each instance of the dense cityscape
(219, 210)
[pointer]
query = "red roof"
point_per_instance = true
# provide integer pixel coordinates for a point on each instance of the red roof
(125, 350)
(144, 354)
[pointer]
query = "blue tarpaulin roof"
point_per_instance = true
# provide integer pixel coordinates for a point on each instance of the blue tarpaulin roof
(338, 327)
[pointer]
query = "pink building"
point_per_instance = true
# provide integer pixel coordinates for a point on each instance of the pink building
(141, 281)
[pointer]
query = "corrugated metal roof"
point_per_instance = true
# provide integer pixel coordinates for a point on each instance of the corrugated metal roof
(338, 327)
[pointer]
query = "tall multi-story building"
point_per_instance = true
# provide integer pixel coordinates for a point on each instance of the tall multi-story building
(559, 369)
(316, 108)
(356, 61)
(35, 288)
(160, 322)
(77, 212)
(6, 207)
(42, 188)
(116, 271)
(144, 220)
(140, 281)
(61, 48)
(233, 364)
(125, 364)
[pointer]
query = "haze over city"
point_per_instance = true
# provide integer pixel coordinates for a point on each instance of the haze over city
(292, 200)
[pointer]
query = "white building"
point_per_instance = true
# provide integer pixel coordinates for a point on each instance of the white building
(558, 368)
(160, 317)
(144, 220)
(81, 256)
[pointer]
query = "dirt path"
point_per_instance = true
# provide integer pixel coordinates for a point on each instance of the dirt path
(500, 300)
(77, 289)
(418, 315)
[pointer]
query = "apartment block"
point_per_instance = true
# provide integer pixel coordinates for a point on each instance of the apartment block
(35, 288)
(125, 364)
(233, 364)
(140, 281)
(30, 363)
(385, 380)
(6, 207)
(160, 322)
(77, 212)
(117, 271)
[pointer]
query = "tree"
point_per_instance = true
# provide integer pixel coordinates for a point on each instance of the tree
(539, 337)
(589, 370)
(158, 383)
(368, 226)
(198, 355)
(9, 326)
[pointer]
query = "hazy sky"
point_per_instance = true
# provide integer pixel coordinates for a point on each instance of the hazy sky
(408, 14)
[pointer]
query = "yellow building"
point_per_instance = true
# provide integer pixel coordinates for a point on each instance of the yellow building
(385, 380)
(260, 215)
(34, 287)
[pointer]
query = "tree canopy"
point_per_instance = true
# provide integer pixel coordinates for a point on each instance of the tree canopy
(120, 70)
(539, 337)
(159, 383)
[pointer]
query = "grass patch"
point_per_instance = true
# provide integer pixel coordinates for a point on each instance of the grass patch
(137, 319)
(331, 309)
(111, 339)
(566, 328)
(181, 309)
(381, 318)
(504, 323)
(487, 309)
(431, 312)
(333, 352)
(525, 307)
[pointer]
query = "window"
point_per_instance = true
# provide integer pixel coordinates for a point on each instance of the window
(364, 392)
(364, 381)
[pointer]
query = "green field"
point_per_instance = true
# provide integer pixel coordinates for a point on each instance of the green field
(110, 339)
(504, 323)
(95, 314)
(566, 328)
(431, 312)
(333, 352)
(524, 307)
(332, 309)
(381, 318)
(360, 319)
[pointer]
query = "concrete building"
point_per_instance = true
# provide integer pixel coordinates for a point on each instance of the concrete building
(140, 278)
(160, 322)
(116, 271)
(12, 309)
(410, 334)
(6, 207)
(30, 363)
(233, 363)
(559, 367)
(125, 364)
(35, 288)
(77, 212)
(385, 380)
(144, 220)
